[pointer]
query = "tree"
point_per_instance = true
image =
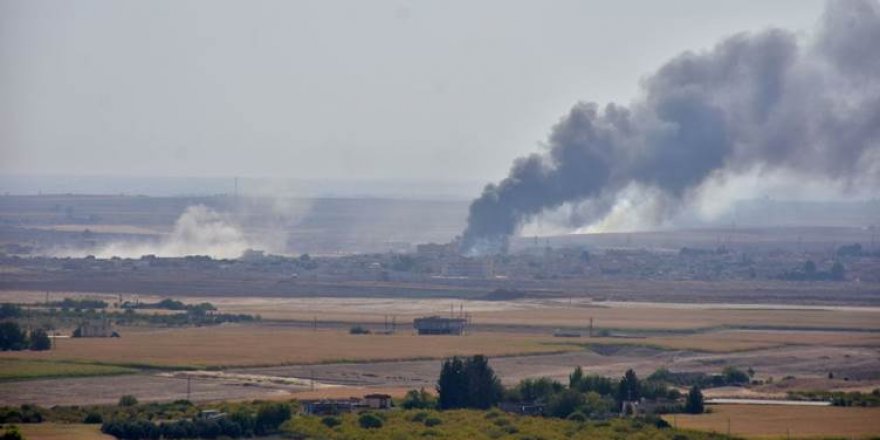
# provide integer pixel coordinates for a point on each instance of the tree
(563, 404)
(733, 375)
(629, 388)
(838, 272)
(694, 402)
(9, 311)
(418, 399)
(469, 383)
(452, 384)
(483, 386)
(12, 337)
(270, 417)
(40, 340)
(576, 376)
(810, 269)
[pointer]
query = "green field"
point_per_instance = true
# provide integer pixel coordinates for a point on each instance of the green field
(18, 369)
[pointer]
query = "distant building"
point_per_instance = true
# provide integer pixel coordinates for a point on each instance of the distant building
(378, 401)
(434, 250)
(469, 268)
(439, 325)
(329, 407)
(96, 328)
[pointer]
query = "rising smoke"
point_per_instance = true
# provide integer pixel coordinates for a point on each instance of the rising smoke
(760, 102)
(199, 230)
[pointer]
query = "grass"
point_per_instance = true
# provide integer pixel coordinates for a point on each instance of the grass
(478, 425)
(62, 431)
(265, 345)
(17, 369)
(777, 422)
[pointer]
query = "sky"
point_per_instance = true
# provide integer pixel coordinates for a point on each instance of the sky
(411, 90)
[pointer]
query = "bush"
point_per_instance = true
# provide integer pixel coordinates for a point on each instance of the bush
(577, 416)
(369, 421)
(93, 418)
(12, 433)
(358, 330)
(40, 340)
(418, 399)
(128, 400)
(433, 421)
(420, 416)
(331, 422)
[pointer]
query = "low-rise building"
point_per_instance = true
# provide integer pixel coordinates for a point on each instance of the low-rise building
(440, 325)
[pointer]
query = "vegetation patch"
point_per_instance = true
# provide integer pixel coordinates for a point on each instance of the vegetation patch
(20, 369)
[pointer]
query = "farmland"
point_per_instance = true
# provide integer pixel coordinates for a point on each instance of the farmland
(254, 345)
(17, 369)
(779, 422)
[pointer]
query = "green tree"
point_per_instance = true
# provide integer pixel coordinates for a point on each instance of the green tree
(418, 399)
(452, 384)
(12, 337)
(270, 417)
(733, 375)
(40, 340)
(629, 388)
(565, 403)
(694, 402)
(469, 383)
(483, 386)
(575, 378)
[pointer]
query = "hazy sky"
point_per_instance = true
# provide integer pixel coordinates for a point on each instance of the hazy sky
(449, 90)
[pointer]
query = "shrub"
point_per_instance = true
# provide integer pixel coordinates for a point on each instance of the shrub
(433, 421)
(331, 422)
(93, 418)
(12, 433)
(128, 400)
(418, 399)
(577, 416)
(358, 330)
(369, 421)
(419, 416)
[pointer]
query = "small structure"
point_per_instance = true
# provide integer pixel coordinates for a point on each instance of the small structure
(378, 401)
(523, 408)
(439, 325)
(561, 333)
(210, 414)
(96, 328)
(330, 407)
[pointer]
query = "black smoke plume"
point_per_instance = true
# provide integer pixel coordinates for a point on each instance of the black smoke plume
(767, 101)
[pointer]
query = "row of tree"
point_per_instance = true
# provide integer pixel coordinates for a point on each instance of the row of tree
(267, 420)
(13, 338)
(471, 383)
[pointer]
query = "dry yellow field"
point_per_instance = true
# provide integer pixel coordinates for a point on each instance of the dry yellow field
(741, 340)
(248, 345)
(764, 421)
(543, 312)
(60, 431)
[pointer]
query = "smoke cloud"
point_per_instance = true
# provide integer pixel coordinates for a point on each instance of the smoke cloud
(198, 231)
(755, 103)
